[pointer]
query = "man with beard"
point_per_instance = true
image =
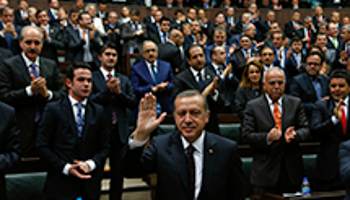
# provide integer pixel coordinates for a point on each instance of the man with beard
(27, 83)
(274, 124)
(114, 92)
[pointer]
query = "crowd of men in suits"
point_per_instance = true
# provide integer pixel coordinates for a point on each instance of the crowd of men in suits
(188, 67)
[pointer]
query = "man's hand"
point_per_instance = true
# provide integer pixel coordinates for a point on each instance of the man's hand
(73, 170)
(211, 87)
(91, 34)
(232, 49)
(289, 53)
(83, 166)
(160, 87)
(203, 42)
(338, 109)
(343, 55)
(114, 85)
(110, 32)
(147, 118)
(227, 70)
(37, 84)
(290, 134)
(274, 134)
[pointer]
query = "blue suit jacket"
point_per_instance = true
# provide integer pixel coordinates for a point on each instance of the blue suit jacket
(222, 175)
(142, 82)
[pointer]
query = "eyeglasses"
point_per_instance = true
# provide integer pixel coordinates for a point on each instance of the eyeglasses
(149, 50)
(313, 63)
(274, 82)
(267, 54)
(109, 54)
(29, 42)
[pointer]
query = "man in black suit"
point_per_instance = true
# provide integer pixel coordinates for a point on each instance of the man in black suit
(27, 83)
(330, 126)
(201, 79)
(190, 162)
(162, 35)
(21, 15)
(114, 92)
(9, 144)
(310, 86)
(83, 43)
(308, 32)
(113, 30)
(150, 18)
(73, 139)
(9, 31)
(334, 41)
(172, 51)
(274, 124)
(291, 27)
(319, 17)
(343, 50)
(53, 36)
(196, 36)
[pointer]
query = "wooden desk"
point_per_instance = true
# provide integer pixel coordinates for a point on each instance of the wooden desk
(338, 194)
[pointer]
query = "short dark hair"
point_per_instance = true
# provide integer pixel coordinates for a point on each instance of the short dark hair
(178, 11)
(296, 39)
(266, 47)
(340, 73)
(6, 8)
(164, 19)
(218, 13)
(40, 11)
(279, 32)
(74, 66)
(316, 53)
(73, 10)
(188, 56)
(245, 35)
(135, 11)
(81, 14)
(191, 93)
(107, 45)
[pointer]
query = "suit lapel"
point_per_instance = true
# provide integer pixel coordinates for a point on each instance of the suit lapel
(267, 111)
(23, 68)
(147, 75)
(178, 155)
(67, 108)
(209, 162)
(88, 119)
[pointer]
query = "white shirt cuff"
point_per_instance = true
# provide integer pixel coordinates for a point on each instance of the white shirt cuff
(50, 95)
(268, 142)
(133, 144)
(91, 164)
(215, 96)
(29, 91)
(335, 120)
(66, 169)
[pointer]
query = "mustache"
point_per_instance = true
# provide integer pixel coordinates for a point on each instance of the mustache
(32, 51)
(151, 56)
(276, 91)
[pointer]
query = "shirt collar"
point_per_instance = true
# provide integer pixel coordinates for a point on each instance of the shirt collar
(29, 62)
(198, 144)
(270, 102)
(74, 101)
(105, 72)
(195, 72)
(216, 67)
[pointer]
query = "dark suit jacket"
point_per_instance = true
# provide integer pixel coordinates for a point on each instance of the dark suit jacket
(239, 61)
(330, 136)
(113, 102)
(9, 144)
(330, 44)
(344, 161)
(142, 82)
(114, 37)
(300, 32)
(257, 122)
(58, 144)
(222, 174)
(171, 53)
(4, 53)
(75, 51)
(13, 81)
(301, 86)
(185, 80)
(19, 19)
(289, 29)
(315, 21)
(49, 49)
(131, 40)
(15, 48)
(243, 95)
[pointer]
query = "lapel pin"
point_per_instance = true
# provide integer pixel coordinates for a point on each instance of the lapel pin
(211, 151)
(51, 30)
(208, 76)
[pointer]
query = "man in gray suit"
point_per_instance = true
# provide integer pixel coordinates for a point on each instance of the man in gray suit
(274, 124)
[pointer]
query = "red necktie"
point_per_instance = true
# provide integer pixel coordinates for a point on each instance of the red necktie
(277, 116)
(247, 54)
(309, 36)
(343, 119)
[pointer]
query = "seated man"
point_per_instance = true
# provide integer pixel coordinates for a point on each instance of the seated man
(191, 163)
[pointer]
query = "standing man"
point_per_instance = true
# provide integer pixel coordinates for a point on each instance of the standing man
(54, 5)
(153, 75)
(27, 83)
(274, 124)
(73, 139)
(9, 144)
(114, 92)
(330, 126)
(310, 86)
(190, 163)
(162, 35)
(201, 79)
(9, 31)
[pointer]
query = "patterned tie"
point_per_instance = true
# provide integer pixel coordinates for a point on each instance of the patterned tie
(335, 43)
(247, 54)
(80, 119)
(200, 81)
(277, 116)
(154, 73)
(309, 36)
(191, 170)
(343, 119)
(114, 114)
(34, 70)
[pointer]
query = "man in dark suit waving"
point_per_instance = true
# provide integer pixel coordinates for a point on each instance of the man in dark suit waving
(28, 82)
(191, 163)
(73, 140)
(114, 92)
(274, 125)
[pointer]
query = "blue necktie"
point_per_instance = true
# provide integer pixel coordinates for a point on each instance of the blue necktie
(318, 89)
(34, 70)
(9, 38)
(80, 119)
(154, 74)
(200, 81)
